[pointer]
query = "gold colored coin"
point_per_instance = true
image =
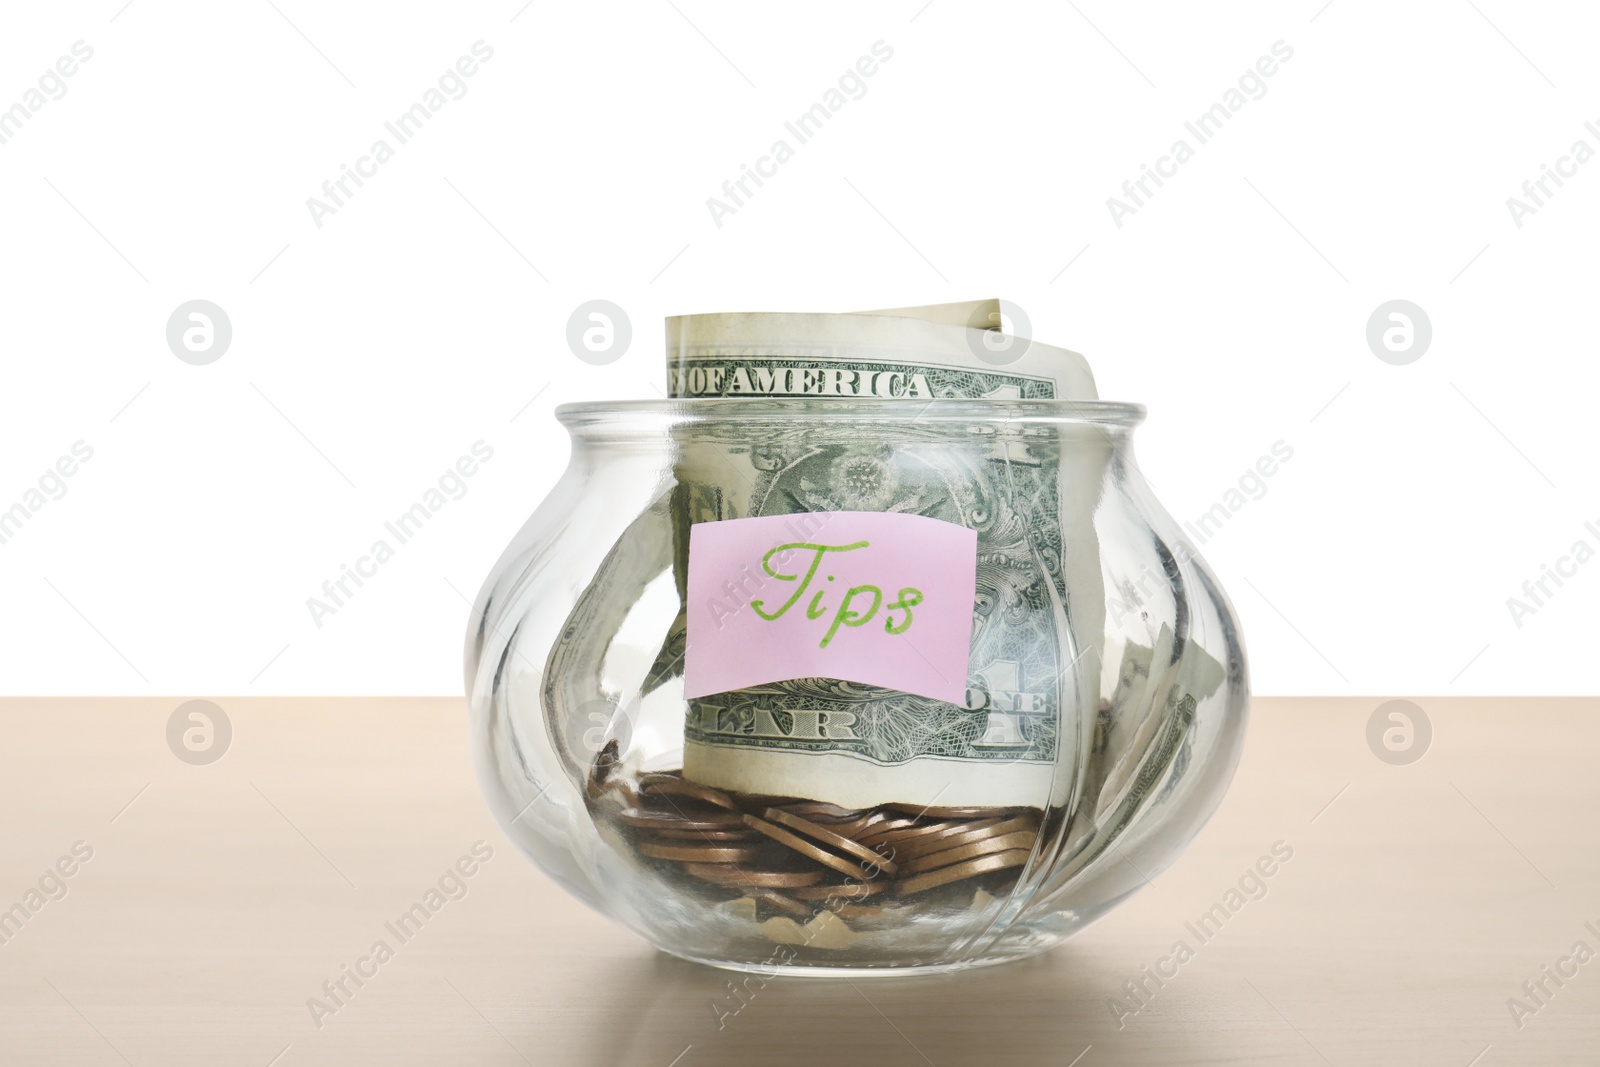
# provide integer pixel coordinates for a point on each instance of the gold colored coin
(1002, 843)
(809, 850)
(686, 853)
(831, 839)
(998, 861)
(674, 785)
(744, 877)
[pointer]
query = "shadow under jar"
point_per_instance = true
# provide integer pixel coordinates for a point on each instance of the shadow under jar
(1111, 727)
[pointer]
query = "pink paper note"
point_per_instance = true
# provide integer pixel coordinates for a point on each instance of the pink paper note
(873, 597)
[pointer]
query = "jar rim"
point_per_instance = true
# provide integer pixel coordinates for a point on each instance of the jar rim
(834, 409)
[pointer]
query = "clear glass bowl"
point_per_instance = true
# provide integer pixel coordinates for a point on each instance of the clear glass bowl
(573, 670)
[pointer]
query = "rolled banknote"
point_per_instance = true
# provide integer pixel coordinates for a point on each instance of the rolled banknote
(1143, 742)
(905, 354)
(1033, 674)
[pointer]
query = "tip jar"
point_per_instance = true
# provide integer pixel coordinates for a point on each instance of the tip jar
(731, 808)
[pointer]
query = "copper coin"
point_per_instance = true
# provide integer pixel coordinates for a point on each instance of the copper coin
(722, 874)
(884, 823)
(849, 830)
(678, 786)
(730, 834)
(648, 819)
(819, 810)
(849, 891)
(998, 861)
(907, 832)
(938, 843)
(930, 812)
(807, 849)
(1002, 843)
(687, 853)
(855, 828)
(952, 833)
(831, 839)
(910, 826)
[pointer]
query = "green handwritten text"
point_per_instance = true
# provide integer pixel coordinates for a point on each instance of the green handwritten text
(853, 611)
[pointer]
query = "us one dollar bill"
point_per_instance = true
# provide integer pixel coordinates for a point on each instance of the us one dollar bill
(942, 351)
(1029, 492)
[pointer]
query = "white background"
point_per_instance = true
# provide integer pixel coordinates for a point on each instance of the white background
(430, 311)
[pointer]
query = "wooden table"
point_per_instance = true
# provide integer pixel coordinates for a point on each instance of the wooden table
(219, 898)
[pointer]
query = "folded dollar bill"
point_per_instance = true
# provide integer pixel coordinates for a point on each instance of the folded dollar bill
(1033, 677)
(946, 351)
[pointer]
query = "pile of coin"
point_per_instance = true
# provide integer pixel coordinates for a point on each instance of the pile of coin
(793, 856)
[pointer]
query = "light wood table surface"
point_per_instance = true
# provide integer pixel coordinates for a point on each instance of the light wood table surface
(219, 898)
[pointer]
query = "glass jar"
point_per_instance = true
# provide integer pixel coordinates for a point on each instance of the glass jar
(1123, 703)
